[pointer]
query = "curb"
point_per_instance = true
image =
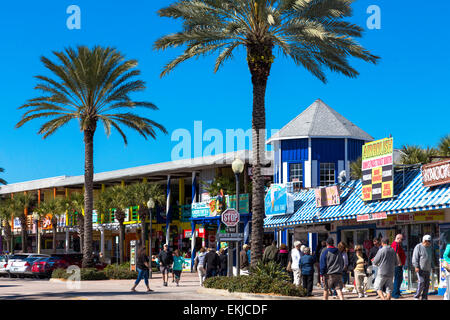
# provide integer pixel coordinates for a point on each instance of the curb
(248, 296)
(60, 280)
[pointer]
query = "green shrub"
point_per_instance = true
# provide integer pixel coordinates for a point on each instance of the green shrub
(120, 272)
(269, 278)
(85, 274)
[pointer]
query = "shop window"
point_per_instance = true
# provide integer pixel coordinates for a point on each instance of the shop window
(296, 176)
(327, 174)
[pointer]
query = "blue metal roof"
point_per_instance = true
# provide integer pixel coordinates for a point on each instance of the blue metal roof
(412, 196)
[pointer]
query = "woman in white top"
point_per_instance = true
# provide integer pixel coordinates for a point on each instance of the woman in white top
(295, 255)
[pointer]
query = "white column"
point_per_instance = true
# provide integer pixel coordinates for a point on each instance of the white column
(346, 163)
(67, 240)
(102, 241)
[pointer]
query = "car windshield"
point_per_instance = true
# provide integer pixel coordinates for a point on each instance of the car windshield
(18, 257)
(31, 259)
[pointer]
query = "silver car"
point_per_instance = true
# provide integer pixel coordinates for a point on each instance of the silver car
(3, 265)
(20, 264)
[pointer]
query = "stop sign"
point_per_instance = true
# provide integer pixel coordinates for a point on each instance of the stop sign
(230, 217)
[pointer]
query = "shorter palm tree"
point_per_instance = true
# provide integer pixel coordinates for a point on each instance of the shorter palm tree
(140, 194)
(416, 155)
(74, 205)
(22, 202)
(2, 181)
(55, 208)
(6, 213)
(356, 169)
(444, 146)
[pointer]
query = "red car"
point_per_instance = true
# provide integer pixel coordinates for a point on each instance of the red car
(43, 268)
(77, 259)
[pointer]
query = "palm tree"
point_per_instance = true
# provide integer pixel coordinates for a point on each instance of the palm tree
(23, 202)
(56, 208)
(416, 155)
(312, 33)
(6, 213)
(444, 146)
(91, 86)
(74, 205)
(2, 181)
(118, 198)
(356, 169)
(140, 194)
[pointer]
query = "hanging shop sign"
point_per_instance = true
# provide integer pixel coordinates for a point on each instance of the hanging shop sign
(47, 222)
(377, 170)
(328, 196)
(278, 201)
(133, 255)
(371, 216)
(243, 203)
(211, 208)
(435, 174)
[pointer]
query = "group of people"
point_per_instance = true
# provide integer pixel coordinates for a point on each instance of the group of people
(168, 263)
(335, 264)
(208, 263)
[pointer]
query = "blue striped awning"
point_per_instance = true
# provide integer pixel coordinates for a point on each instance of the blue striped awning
(412, 196)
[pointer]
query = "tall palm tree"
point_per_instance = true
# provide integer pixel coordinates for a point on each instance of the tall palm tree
(2, 181)
(444, 146)
(416, 155)
(6, 213)
(23, 202)
(92, 86)
(312, 33)
(56, 208)
(74, 205)
(140, 194)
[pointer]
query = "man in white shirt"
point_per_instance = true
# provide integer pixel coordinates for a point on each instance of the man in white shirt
(295, 255)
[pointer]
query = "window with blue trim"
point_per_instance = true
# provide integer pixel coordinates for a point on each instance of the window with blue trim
(296, 176)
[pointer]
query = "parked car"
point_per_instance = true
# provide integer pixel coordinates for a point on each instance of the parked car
(3, 265)
(22, 268)
(16, 258)
(77, 259)
(43, 267)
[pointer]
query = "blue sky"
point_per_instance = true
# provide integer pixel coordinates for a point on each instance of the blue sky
(405, 95)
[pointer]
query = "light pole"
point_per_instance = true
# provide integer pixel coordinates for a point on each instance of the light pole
(36, 217)
(150, 206)
(237, 166)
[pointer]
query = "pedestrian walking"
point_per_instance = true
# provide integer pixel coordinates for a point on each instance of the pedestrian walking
(198, 264)
(446, 258)
(283, 256)
(211, 263)
(360, 269)
(323, 245)
(386, 261)
(165, 258)
(295, 264)
(178, 263)
(307, 270)
(401, 257)
(331, 267)
(270, 253)
(372, 253)
(243, 257)
(223, 263)
(342, 247)
(142, 265)
(422, 261)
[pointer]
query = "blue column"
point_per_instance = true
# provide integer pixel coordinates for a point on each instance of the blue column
(194, 187)
(218, 231)
(192, 244)
(168, 211)
(284, 235)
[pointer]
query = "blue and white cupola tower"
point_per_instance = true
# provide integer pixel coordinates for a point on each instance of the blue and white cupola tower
(312, 149)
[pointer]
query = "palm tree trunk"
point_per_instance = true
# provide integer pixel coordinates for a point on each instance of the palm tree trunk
(88, 196)
(54, 226)
(24, 238)
(259, 61)
(121, 241)
(8, 236)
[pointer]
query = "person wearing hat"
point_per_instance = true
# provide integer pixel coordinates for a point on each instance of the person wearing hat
(422, 260)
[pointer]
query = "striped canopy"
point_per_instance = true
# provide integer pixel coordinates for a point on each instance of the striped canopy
(411, 196)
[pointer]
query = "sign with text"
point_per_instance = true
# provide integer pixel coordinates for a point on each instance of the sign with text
(278, 201)
(436, 173)
(371, 216)
(230, 217)
(378, 170)
(328, 196)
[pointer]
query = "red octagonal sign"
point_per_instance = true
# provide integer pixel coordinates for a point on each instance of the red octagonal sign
(230, 217)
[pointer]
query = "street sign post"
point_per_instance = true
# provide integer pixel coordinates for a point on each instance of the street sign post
(230, 217)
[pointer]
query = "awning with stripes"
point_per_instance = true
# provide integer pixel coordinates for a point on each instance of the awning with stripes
(412, 196)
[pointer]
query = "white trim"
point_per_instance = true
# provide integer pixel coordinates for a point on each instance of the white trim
(318, 137)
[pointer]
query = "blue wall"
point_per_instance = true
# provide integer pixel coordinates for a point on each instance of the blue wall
(354, 149)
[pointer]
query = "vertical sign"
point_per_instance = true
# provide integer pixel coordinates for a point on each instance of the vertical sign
(377, 170)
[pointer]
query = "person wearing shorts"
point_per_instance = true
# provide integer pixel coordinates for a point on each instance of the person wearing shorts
(385, 260)
(165, 261)
(178, 262)
(331, 268)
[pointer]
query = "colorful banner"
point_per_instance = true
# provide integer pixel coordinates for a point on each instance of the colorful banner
(278, 201)
(436, 173)
(328, 196)
(377, 170)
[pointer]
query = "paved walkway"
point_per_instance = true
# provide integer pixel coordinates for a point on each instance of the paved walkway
(33, 289)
